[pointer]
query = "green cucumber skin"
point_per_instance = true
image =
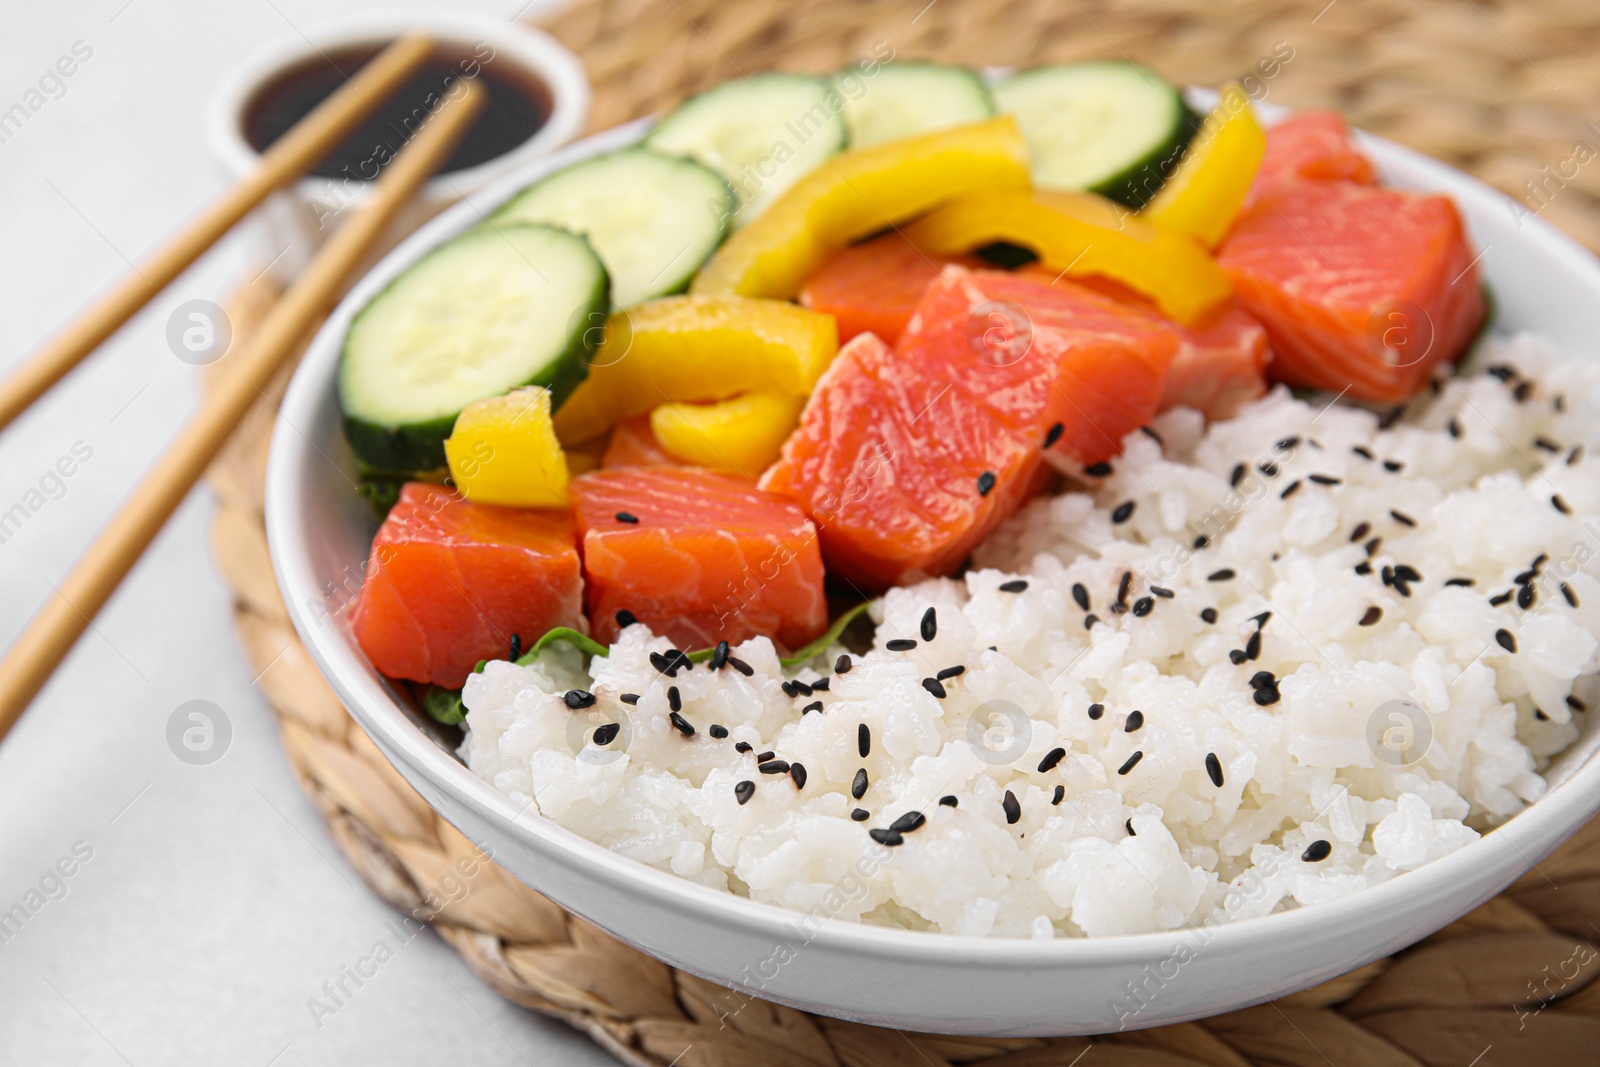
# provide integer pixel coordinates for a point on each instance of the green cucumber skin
(1135, 186)
(403, 451)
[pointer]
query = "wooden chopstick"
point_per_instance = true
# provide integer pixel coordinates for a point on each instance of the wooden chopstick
(289, 157)
(52, 633)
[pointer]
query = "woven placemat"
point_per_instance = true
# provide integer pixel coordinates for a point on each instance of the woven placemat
(1502, 91)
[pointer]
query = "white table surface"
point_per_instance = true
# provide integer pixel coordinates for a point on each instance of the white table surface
(213, 906)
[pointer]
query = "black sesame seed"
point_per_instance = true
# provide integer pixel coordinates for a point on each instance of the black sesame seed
(864, 740)
(717, 730)
(1539, 560)
(1129, 827)
(860, 814)
(1388, 574)
(1458, 581)
(985, 483)
(1575, 455)
(1096, 710)
(1098, 470)
(1237, 475)
(1317, 851)
(1506, 639)
(579, 698)
(764, 756)
(1214, 769)
(773, 766)
(948, 801)
(1142, 606)
(1502, 371)
(629, 698)
(934, 686)
(1371, 616)
(516, 648)
(674, 698)
(1406, 572)
(1261, 620)
(1361, 530)
(1220, 576)
(802, 688)
(910, 821)
(1575, 704)
(742, 746)
(1555, 501)
(1525, 597)
(1538, 713)
(1252, 647)
(887, 838)
(662, 664)
(1262, 679)
(858, 785)
(1201, 542)
(1361, 451)
(1208, 615)
(1286, 444)
(1124, 585)
(741, 666)
(626, 618)
(1119, 608)
(1089, 621)
(1544, 444)
(1325, 479)
(743, 791)
(1080, 595)
(951, 672)
(682, 725)
(1267, 467)
(1135, 720)
(1372, 545)
(1051, 759)
(1012, 807)
(1148, 432)
(930, 624)
(1123, 512)
(1059, 795)
(719, 656)
(1290, 490)
(842, 665)
(1016, 585)
(627, 517)
(1237, 657)
(1501, 598)
(1131, 762)
(1453, 427)
(1402, 518)
(815, 705)
(1162, 592)
(1266, 696)
(604, 735)
(797, 771)
(1363, 567)
(821, 685)
(1568, 595)
(900, 644)
(1393, 466)
(1053, 434)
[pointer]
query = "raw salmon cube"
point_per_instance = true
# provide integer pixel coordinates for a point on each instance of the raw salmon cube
(1314, 145)
(874, 287)
(699, 556)
(1357, 286)
(449, 582)
(634, 444)
(905, 459)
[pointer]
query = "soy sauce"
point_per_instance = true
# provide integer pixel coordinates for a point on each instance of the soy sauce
(518, 105)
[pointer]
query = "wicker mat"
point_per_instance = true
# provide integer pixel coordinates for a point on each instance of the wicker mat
(1503, 91)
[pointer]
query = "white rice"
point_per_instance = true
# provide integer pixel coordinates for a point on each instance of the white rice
(1327, 762)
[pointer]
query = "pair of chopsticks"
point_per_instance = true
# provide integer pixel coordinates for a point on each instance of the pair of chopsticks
(56, 628)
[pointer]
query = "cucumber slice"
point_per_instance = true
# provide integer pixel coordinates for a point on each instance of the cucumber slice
(499, 307)
(762, 133)
(906, 98)
(652, 219)
(1105, 126)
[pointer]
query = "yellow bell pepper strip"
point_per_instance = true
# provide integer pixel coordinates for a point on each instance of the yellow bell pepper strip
(504, 451)
(861, 192)
(743, 433)
(696, 348)
(1081, 234)
(1208, 189)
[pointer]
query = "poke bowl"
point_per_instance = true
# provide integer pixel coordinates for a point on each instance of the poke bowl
(1179, 711)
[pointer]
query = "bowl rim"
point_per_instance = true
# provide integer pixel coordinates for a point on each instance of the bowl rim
(537, 52)
(1532, 833)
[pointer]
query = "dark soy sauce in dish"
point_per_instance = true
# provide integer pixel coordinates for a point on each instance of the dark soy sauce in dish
(518, 105)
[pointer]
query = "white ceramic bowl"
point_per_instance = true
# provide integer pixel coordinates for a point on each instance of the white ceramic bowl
(319, 533)
(294, 221)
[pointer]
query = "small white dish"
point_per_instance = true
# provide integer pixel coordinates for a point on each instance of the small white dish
(319, 534)
(295, 221)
